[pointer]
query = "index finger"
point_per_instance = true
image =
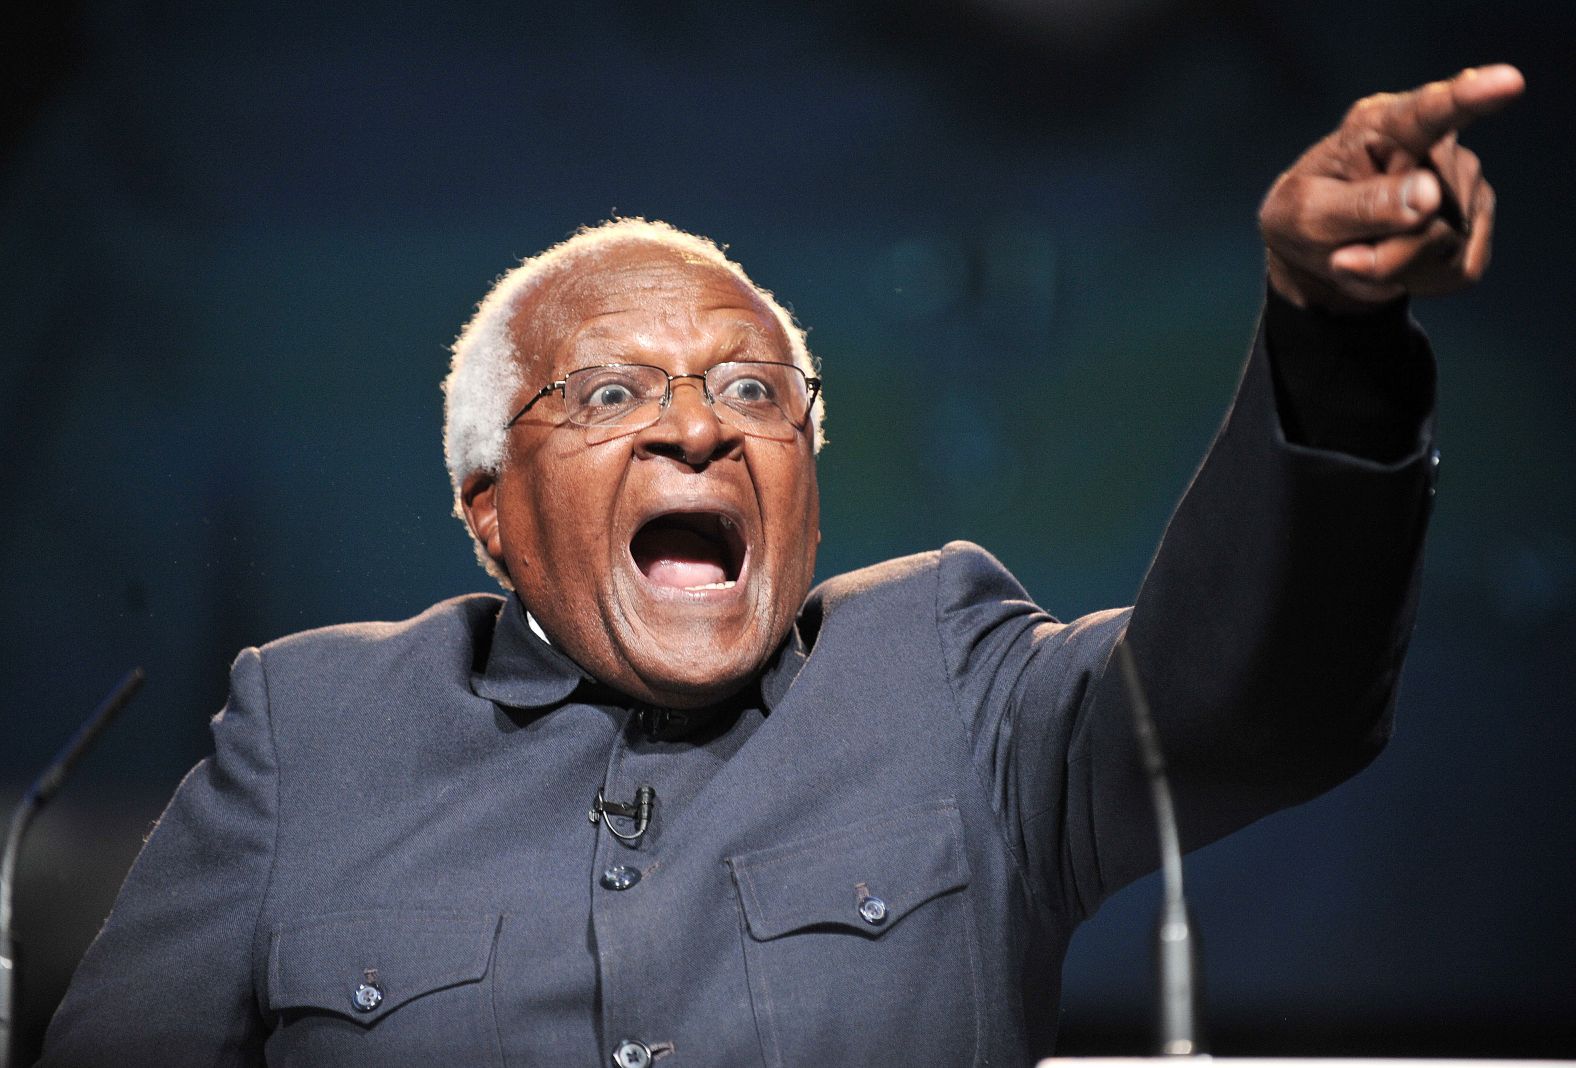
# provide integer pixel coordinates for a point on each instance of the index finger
(1417, 119)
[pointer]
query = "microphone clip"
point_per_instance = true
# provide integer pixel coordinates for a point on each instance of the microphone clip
(640, 811)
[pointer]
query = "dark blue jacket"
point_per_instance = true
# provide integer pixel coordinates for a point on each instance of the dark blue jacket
(876, 857)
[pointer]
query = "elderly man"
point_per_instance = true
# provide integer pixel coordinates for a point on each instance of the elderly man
(854, 825)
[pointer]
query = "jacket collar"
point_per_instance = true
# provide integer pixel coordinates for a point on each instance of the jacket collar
(523, 671)
(782, 670)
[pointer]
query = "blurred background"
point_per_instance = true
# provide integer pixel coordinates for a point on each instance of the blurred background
(237, 240)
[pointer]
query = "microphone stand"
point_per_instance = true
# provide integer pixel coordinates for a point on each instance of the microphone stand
(1176, 950)
(37, 796)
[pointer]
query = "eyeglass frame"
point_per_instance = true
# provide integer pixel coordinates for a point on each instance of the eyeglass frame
(812, 386)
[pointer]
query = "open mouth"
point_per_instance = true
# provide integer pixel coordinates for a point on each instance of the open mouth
(689, 551)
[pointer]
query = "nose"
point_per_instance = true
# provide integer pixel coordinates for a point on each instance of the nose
(688, 429)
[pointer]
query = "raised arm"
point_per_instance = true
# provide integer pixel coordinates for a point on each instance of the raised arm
(1271, 627)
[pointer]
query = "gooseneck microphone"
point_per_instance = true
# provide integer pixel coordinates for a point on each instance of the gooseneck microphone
(37, 796)
(1176, 950)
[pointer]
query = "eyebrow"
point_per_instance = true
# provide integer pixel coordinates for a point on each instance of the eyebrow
(733, 336)
(751, 332)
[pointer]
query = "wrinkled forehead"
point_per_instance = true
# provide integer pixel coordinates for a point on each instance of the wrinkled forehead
(582, 299)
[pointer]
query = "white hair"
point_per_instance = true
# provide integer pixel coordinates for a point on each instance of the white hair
(484, 376)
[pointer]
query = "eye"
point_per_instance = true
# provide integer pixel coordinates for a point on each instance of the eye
(751, 382)
(610, 395)
(748, 390)
(606, 388)
(759, 395)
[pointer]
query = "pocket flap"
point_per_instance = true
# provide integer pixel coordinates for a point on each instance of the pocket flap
(321, 962)
(901, 860)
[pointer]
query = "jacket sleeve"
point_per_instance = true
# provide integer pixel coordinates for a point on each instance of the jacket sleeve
(169, 979)
(1269, 630)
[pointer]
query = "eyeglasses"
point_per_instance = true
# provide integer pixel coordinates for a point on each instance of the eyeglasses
(766, 399)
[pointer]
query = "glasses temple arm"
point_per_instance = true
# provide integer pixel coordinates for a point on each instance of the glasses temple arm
(550, 388)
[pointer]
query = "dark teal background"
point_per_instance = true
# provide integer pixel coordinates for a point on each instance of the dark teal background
(237, 240)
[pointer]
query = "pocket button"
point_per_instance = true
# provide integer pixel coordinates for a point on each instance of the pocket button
(632, 1054)
(872, 910)
(366, 998)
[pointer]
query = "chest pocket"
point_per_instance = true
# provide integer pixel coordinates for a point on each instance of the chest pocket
(859, 942)
(394, 987)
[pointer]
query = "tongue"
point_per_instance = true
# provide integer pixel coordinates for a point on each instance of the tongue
(682, 559)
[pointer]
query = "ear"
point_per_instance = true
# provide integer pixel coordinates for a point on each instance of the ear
(478, 497)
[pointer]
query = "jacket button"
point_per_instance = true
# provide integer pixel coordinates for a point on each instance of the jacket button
(366, 998)
(632, 1054)
(872, 910)
(621, 877)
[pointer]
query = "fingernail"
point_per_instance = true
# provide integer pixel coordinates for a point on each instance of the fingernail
(1347, 260)
(1408, 190)
(1420, 193)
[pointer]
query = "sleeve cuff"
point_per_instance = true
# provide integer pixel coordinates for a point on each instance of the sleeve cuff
(1360, 384)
